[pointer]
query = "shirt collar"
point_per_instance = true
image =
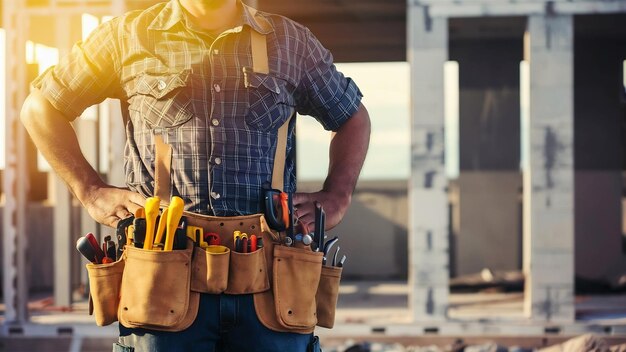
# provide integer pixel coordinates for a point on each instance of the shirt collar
(172, 13)
(169, 15)
(256, 20)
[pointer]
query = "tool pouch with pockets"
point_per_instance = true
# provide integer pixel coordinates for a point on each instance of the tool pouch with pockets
(104, 290)
(229, 271)
(327, 295)
(296, 275)
(209, 269)
(248, 273)
(156, 290)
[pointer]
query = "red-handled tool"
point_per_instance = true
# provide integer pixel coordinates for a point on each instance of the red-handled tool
(212, 239)
(106, 259)
(253, 243)
(93, 242)
(86, 249)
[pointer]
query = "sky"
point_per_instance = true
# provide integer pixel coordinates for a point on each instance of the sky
(385, 88)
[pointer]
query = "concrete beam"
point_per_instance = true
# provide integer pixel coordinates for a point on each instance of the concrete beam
(549, 173)
(428, 205)
(486, 8)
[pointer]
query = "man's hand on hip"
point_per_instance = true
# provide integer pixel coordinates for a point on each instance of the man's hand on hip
(335, 207)
(108, 204)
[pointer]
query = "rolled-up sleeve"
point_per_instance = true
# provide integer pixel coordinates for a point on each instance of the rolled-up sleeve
(86, 76)
(323, 92)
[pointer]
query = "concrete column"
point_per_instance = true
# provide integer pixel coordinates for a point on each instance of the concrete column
(87, 132)
(428, 206)
(62, 242)
(549, 174)
(117, 141)
(15, 280)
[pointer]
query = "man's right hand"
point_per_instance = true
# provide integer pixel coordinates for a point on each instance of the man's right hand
(54, 136)
(108, 204)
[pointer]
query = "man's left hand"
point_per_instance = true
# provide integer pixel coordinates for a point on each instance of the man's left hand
(335, 207)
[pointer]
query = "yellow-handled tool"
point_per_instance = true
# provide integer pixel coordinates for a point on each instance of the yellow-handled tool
(152, 211)
(196, 234)
(174, 213)
(161, 229)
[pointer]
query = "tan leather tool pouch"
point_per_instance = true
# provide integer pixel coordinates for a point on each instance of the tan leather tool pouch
(156, 290)
(104, 290)
(327, 295)
(209, 269)
(248, 273)
(235, 273)
(296, 276)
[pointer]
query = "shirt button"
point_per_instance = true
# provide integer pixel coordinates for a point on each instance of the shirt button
(215, 122)
(217, 87)
(277, 90)
(161, 85)
(216, 51)
(215, 195)
(218, 161)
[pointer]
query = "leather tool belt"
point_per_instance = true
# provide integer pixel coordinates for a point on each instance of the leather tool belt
(160, 290)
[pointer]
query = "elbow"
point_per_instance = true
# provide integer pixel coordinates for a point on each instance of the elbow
(361, 121)
(36, 111)
(31, 108)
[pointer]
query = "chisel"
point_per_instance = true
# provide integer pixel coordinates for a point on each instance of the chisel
(174, 213)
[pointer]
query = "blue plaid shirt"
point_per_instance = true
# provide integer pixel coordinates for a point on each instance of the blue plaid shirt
(199, 93)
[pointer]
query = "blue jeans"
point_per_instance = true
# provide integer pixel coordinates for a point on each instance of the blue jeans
(225, 323)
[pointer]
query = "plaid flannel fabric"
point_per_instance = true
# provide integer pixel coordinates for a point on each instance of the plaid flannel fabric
(200, 94)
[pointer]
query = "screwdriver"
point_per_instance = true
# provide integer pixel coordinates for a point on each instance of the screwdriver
(174, 213)
(152, 211)
(253, 243)
(318, 236)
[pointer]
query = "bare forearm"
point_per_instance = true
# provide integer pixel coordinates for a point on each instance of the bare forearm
(347, 154)
(348, 148)
(56, 139)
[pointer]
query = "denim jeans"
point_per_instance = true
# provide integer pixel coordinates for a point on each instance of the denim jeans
(225, 323)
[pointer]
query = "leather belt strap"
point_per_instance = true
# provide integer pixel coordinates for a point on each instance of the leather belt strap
(260, 64)
(162, 169)
(258, 44)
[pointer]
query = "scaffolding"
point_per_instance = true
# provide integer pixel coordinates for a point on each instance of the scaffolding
(17, 18)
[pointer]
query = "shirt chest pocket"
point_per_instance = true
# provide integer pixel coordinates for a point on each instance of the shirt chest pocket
(161, 100)
(270, 102)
